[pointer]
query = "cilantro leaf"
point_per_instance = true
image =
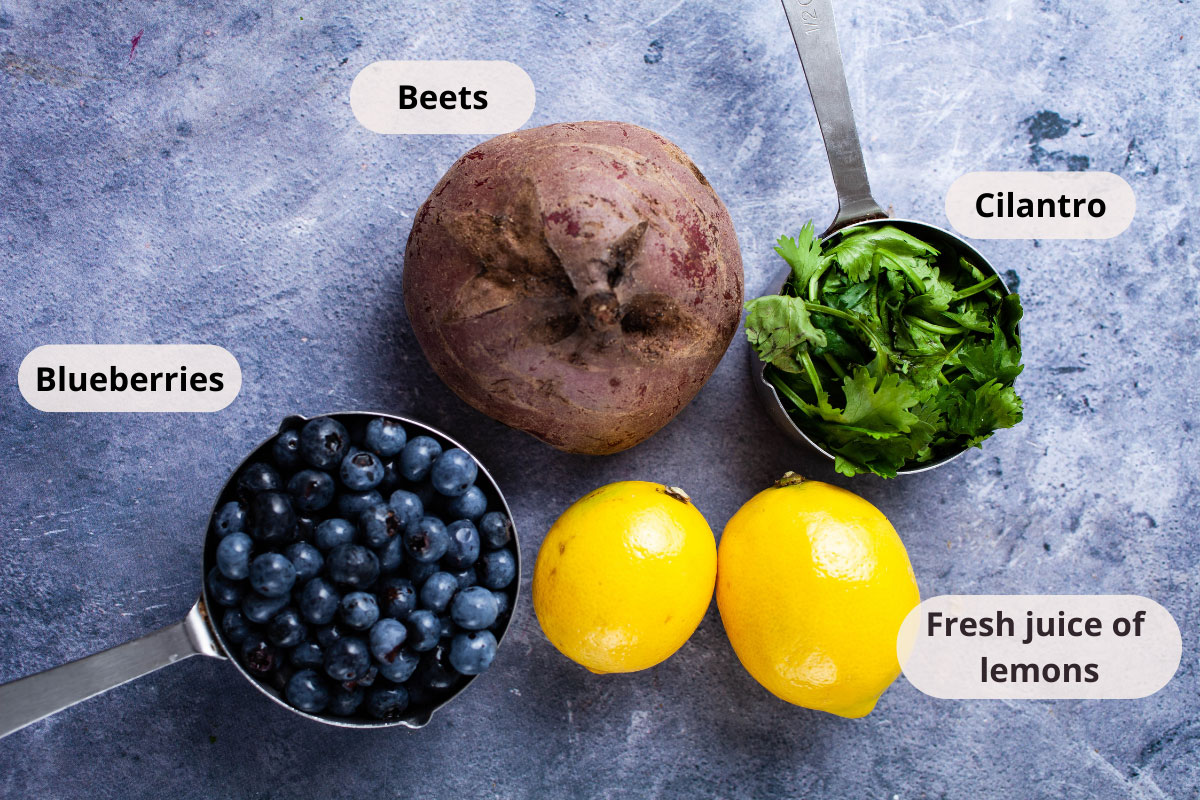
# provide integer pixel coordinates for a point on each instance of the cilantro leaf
(859, 248)
(884, 456)
(996, 360)
(1009, 315)
(938, 295)
(969, 317)
(778, 327)
(977, 414)
(883, 408)
(803, 255)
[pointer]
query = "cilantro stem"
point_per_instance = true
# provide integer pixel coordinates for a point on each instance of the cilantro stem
(853, 319)
(962, 294)
(942, 379)
(812, 283)
(834, 365)
(813, 377)
(971, 268)
(787, 392)
(932, 328)
(913, 277)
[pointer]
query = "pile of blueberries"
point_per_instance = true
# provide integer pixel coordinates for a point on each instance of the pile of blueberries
(361, 572)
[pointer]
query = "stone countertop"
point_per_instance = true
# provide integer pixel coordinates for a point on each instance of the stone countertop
(217, 189)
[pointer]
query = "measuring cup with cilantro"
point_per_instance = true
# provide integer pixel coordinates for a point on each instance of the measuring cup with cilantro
(886, 351)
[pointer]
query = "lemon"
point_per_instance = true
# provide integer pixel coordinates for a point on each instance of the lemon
(624, 576)
(812, 585)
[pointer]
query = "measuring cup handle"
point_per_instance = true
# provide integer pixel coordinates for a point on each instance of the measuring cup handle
(26, 700)
(811, 22)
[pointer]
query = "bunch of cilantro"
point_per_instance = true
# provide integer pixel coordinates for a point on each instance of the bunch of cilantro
(889, 352)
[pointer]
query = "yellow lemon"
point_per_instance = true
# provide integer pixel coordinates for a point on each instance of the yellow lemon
(624, 576)
(812, 585)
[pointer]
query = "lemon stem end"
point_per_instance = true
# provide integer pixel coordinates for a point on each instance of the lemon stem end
(789, 479)
(678, 494)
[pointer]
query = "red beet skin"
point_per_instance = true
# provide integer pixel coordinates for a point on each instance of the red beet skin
(578, 281)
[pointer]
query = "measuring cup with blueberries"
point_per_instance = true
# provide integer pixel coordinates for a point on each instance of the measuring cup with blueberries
(359, 569)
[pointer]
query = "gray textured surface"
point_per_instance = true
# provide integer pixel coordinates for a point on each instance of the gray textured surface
(217, 189)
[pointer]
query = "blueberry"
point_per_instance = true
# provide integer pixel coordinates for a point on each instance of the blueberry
(502, 603)
(431, 501)
(306, 559)
(343, 702)
(257, 478)
(427, 541)
(258, 656)
(352, 565)
(332, 532)
(401, 667)
(326, 635)
(464, 545)
(365, 680)
(286, 450)
(361, 470)
(259, 609)
(446, 628)
(385, 436)
(419, 572)
(307, 691)
(407, 506)
(308, 655)
(495, 529)
(306, 529)
(417, 457)
(386, 639)
(379, 524)
(391, 478)
(465, 578)
(286, 629)
(423, 630)
(472, 652)
(311, 489)
(277, 679)
(391, 555)
(274, 518)
(233, 556)
(436, 671)
(272, 575)
(497, 569)
(324, 442)
(359, 610)
(469, 505)
(387, 703)
(397, 597)
(474, 608)
(234, 624)
(318, 601)
(223, 591)
(453, 472)
(229, 518)
(347, 659)
(437, 591)
(352, 504)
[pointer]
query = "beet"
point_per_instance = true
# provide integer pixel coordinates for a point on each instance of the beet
(578, 281)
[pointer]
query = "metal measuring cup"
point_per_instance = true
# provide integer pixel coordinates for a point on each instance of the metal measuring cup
(34, 697)
(812, 27)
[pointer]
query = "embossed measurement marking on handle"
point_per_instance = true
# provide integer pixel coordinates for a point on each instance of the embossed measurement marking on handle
(808, 18)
